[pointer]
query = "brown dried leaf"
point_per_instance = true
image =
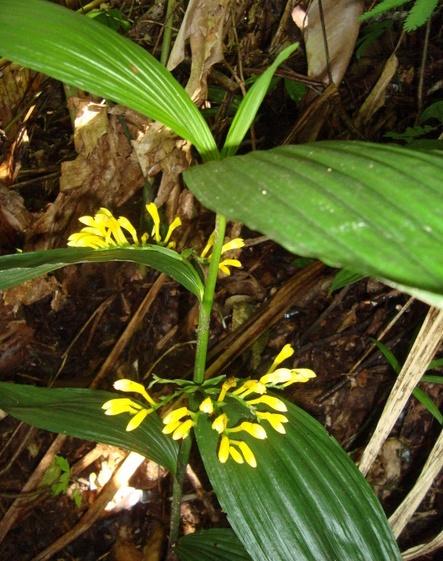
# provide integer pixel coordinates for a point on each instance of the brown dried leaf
(159, 149)
(376, 98)
(105, 173)
(342, 26)
(203, 26)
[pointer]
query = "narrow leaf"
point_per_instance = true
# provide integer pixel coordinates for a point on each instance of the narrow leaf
(428, 404)
(305, 500)
(251, 102)
(78, 412)
(20, 267)
(375, 209)
(216, 544)
(80, 52)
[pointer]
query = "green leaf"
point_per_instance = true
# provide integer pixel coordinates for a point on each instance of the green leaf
(420, 13)
(78, 412)
(80, 52)
(216, 544)
(20, 267)
(251, 102)
(343, 278)
(375, 209)
(428, 404)
(305, 500)
(382, 8)
(389, 355)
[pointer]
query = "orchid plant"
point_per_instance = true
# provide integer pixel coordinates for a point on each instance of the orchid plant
(289, 490)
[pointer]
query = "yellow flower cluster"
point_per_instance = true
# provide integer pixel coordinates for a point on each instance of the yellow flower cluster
(104, 230)
(224, 265)
(264, 408)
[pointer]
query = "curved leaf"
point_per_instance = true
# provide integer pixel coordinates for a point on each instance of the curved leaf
(216, 544)
(250, 104)
(305, 500)
(78, 412)
(20, 267)
(80, 52)
(375, 209)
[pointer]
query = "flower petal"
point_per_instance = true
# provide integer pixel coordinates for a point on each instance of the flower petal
(247, 453)
(223, 450)
(207, 406)
(285, 353)
(126, 385)
(220, 423)
(137, 420)
(278, 376)
(236, 455)
(269, 400)
(254, 429)
(183, 430)
(176, 415)
(153, 211)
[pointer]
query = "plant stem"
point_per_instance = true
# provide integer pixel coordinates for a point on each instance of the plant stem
(182, 462)
(167, 33)
(208, 300)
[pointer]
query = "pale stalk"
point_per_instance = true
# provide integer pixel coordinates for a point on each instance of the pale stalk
(205, 307)
(167, 33)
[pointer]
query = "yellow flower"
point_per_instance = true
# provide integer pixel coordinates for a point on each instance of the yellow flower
(126, 385)
(227, 385)
(275, 419)
(250, 386)
(300, 375)
(224, 265)
(220, 423)
(174, 424)
(285, 376)
(254, 429)
(228, 448)
(206, 406)
(223, 450)
(127, 405)
(153, 211)
(104, 230)
(286, 352)
(269, 400)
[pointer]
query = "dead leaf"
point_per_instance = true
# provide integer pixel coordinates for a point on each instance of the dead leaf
(105, 173)
(203, 26)
(153, 549)
(161, 150)
(377, 97)
(14, 218)
(342, 27)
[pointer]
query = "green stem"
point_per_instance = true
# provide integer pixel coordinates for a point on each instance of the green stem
(167, 33)
(207, 302)
(182, 462)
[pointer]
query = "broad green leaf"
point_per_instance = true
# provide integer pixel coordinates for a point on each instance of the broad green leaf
(80, 52)
(251, 102)
(78, 412)
(375, 209)
(20, 267)
(216, 544)
(305, 500)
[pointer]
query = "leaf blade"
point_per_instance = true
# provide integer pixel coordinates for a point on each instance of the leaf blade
(20, 267)
(78, 412)
(80, 52)
(305, 500)
(375, 209)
